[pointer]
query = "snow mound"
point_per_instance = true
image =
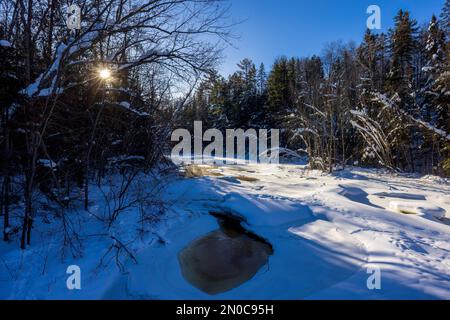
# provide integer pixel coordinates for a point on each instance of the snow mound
(266, 210)
(418, 208)
(436, 179)
(326, 234)
(5, 43)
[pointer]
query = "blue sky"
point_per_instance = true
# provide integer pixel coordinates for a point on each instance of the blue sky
(302, 27)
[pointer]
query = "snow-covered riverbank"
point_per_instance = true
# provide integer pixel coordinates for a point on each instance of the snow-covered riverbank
(326, 231)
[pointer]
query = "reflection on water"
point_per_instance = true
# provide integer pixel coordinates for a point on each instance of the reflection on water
(224, 259)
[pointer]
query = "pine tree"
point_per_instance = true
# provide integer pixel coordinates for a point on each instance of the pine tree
(445, 18)
(248, 102)
(261, 79)
(402, 46)
(437, 88)
(278, 83)
(367, 54)
(242, 101)
(435, 84)
(259, 118)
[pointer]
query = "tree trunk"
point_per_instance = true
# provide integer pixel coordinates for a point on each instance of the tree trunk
(26, 225)
(5, 207)
(6, 187)
(29, 54)
(88, 155)
(86, 186)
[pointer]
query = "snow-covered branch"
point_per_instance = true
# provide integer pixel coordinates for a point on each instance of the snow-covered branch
(389, 103)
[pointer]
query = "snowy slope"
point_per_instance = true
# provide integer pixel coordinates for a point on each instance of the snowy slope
(326, 230)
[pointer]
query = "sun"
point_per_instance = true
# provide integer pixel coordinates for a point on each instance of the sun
(105, 74)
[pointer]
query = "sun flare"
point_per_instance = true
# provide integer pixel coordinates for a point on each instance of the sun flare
(105, 74)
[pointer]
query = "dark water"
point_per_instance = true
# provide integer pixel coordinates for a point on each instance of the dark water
(224, 259)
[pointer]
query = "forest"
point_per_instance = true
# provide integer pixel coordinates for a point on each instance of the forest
(88, 114)
(382, 103)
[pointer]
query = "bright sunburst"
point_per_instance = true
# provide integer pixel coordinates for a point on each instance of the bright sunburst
(105, 74)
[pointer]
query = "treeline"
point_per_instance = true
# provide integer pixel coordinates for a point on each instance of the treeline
(383, 103)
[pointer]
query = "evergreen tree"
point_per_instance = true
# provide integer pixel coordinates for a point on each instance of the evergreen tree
(402, 45)
(434, 103)
(278, 83)
(445, 18)
(436, 92)
(261, 79)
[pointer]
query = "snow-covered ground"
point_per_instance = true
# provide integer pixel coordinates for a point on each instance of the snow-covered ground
(326, 231)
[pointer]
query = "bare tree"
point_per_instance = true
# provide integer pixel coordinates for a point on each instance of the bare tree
(183, 37)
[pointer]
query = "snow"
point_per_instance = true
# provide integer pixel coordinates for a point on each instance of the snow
(126, 105)
(63, 52)
(126, 158)
(417, 208)
(5, 43)
(48, 91)
(326, 231)
(389, 104)
(47, 163)
(427, 69)
(34, 87)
